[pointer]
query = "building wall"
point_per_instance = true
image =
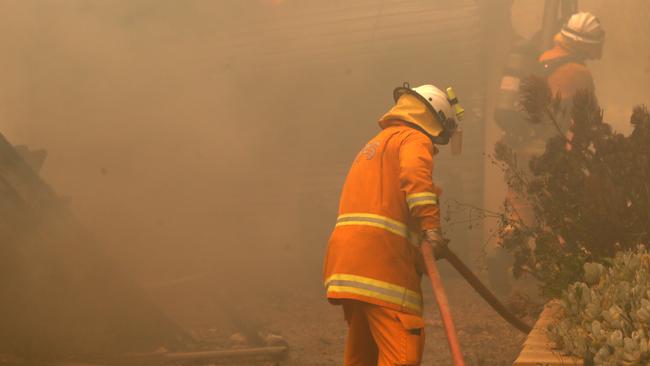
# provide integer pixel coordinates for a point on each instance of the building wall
(336, 64)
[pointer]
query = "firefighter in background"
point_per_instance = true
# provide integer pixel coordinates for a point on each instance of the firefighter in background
(564, 69)
(580, 39)
(388, 204)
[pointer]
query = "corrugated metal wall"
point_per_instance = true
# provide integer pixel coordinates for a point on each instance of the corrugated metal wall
(327, 69)
(335, 32)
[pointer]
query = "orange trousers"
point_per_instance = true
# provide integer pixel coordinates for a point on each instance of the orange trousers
(379, 336)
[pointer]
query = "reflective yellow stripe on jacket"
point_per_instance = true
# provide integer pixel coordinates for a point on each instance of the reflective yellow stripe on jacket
(420, 199)
(364, 286)
(379, 221)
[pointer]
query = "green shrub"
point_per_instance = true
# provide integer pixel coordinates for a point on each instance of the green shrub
(588, 202)
(607, 315)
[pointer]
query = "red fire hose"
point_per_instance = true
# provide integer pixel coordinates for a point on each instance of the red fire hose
(441, 297)
(443, 304)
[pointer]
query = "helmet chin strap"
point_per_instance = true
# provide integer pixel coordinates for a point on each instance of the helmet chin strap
(449, 124)
(449, 128)
(444, 137)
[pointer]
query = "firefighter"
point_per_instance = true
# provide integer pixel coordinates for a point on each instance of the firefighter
(580, 39)
(563, 66)
(388, 204)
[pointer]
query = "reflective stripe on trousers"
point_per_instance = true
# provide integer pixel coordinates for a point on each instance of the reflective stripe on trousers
(364, 286)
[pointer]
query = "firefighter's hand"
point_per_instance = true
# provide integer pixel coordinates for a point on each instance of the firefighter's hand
(437, 241)
(439, 248)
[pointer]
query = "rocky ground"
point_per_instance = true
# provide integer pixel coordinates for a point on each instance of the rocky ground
(316, 330)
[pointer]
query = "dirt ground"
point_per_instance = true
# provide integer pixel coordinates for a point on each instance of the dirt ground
(316, 330)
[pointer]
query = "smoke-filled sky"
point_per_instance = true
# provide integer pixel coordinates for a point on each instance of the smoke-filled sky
(145, 133)
(187, 141)
(183, 141)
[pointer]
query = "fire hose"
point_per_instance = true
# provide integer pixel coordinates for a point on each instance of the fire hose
(441, 297)
(443, 304)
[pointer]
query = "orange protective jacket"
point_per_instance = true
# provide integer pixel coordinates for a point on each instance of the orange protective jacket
(567, 79)
(387, 201)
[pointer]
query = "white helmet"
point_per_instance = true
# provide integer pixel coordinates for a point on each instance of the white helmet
(584, 27)
(444, 107)
(437, 99)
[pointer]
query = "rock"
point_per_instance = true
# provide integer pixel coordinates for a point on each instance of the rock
(273, 340)
(237, 340)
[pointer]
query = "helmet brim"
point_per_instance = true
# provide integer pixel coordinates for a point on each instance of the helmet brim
(399, 91)
(570, 34)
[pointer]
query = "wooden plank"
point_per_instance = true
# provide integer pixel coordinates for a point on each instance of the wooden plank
(245, 353)
(538, 348)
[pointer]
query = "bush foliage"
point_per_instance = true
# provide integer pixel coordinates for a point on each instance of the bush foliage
(607, 315)
(589, 201)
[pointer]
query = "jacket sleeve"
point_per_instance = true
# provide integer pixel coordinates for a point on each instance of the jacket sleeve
(416, 181)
